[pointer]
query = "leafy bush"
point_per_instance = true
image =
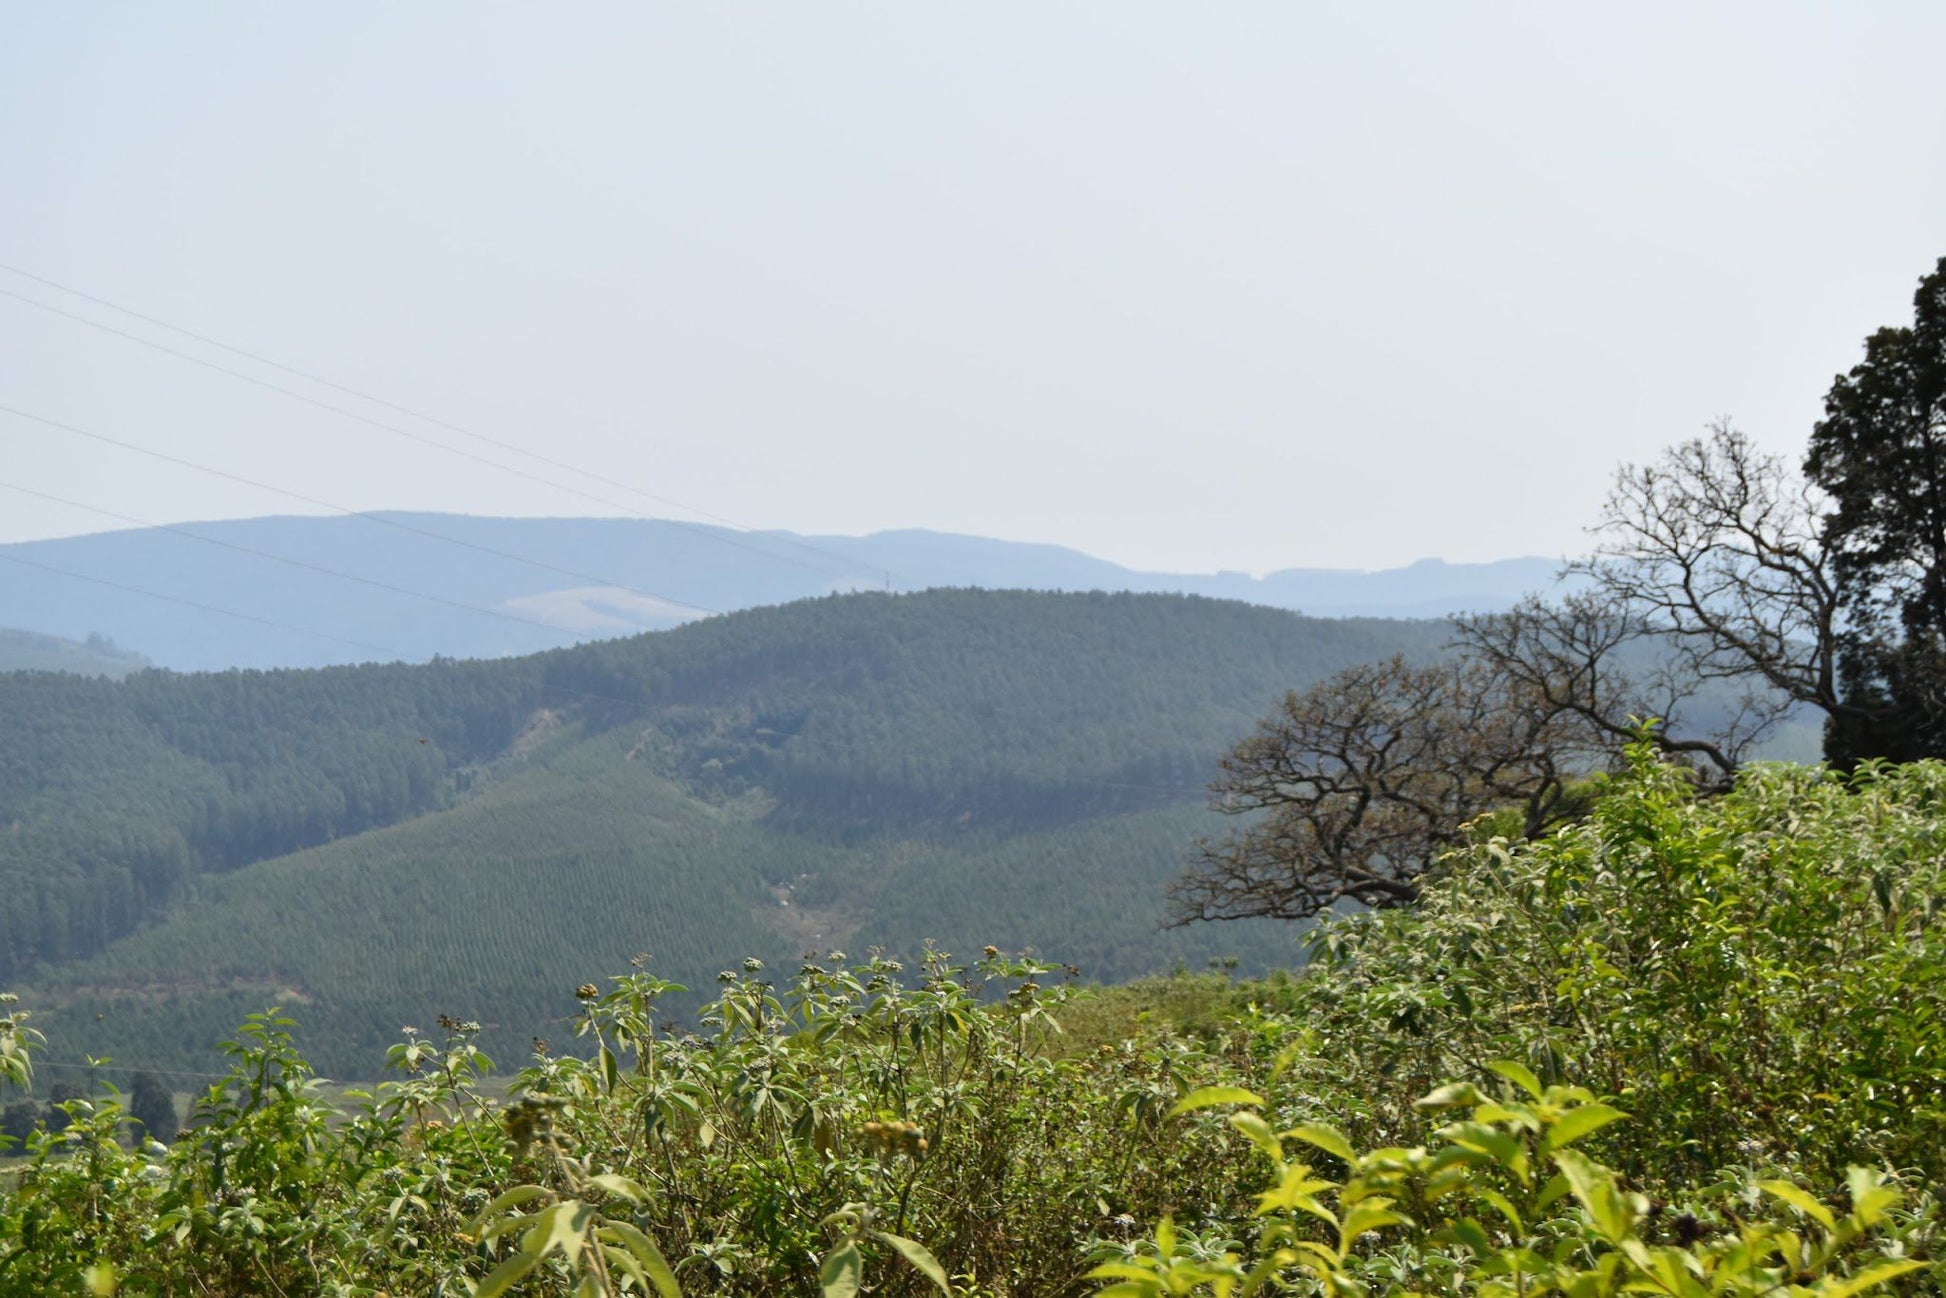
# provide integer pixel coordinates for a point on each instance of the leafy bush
(1753, 979)
(1756, 977)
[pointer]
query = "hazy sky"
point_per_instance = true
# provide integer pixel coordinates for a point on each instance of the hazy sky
(1187, 286)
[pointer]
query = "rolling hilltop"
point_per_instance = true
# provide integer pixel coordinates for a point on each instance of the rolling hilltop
(373, 846)
(28, 651)
(581, 578)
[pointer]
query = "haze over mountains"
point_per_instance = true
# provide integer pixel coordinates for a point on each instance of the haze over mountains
(1016, 757)
(322, 591)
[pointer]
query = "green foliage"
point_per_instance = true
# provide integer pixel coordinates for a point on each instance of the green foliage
(841, 1129)
(1758, 976)
(1499, 1204)
(17, 1041)
(1878, 454)
(1688, 1047)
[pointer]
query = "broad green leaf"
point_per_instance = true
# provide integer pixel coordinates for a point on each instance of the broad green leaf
(504, 1276)
(921, 1258)
(622, 1263)
(1594, 1186)
(619, 1186)
(1364, 1217)
(1450, 1096)
(842, 1273)
(1670, 1268)
(1576, 1123)
(1121, 1271)
(645, 1252)
(1491, 1143)
(506, 1226)
(1326, 1138)
(1870, 1195)
(1208, 1097)
(1267, 1267)
(1871, 1278)
(1294, 1192)
(1503, 1206)
(1259, 1133)
(1469, 1232)
(511, 1199)
(1324, 1259)
(564, 1226)
(1800, 1200)
(1519, 1074)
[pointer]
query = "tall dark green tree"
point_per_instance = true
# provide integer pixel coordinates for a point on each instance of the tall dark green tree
(1880, 454)
(150, 1104)
(17, 1123)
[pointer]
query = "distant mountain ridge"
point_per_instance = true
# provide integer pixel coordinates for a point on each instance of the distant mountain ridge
(29, 651)
(554, 581)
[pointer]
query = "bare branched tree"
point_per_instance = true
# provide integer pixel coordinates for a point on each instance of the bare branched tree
(1357, 784)
(1725, 591)
(1707, 606)
(1716, 547)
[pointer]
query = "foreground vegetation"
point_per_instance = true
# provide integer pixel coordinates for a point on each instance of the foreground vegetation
(1680, 1046)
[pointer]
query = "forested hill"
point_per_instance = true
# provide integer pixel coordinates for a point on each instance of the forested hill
(969, 766)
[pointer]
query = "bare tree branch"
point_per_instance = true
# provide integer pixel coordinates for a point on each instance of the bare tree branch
(1716, 548)
(1358, 783)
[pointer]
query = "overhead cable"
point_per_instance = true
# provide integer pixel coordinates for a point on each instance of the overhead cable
(278, 558)
(711, 533)
(385, 520)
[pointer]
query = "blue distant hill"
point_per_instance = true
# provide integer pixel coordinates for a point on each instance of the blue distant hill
(552, 582)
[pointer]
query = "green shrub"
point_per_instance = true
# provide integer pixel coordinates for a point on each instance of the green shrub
(1754, 979)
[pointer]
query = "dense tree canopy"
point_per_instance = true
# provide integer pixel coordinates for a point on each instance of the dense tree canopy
(1880, 453)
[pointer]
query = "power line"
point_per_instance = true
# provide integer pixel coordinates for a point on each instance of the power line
(543, 685)
(129, 1068)
(315, 502)
(348, 414)
(391, 428)
(278, 558)
(207, 608)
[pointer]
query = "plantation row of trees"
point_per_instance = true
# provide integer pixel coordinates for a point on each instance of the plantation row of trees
(116, 796)
(1726, 593)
